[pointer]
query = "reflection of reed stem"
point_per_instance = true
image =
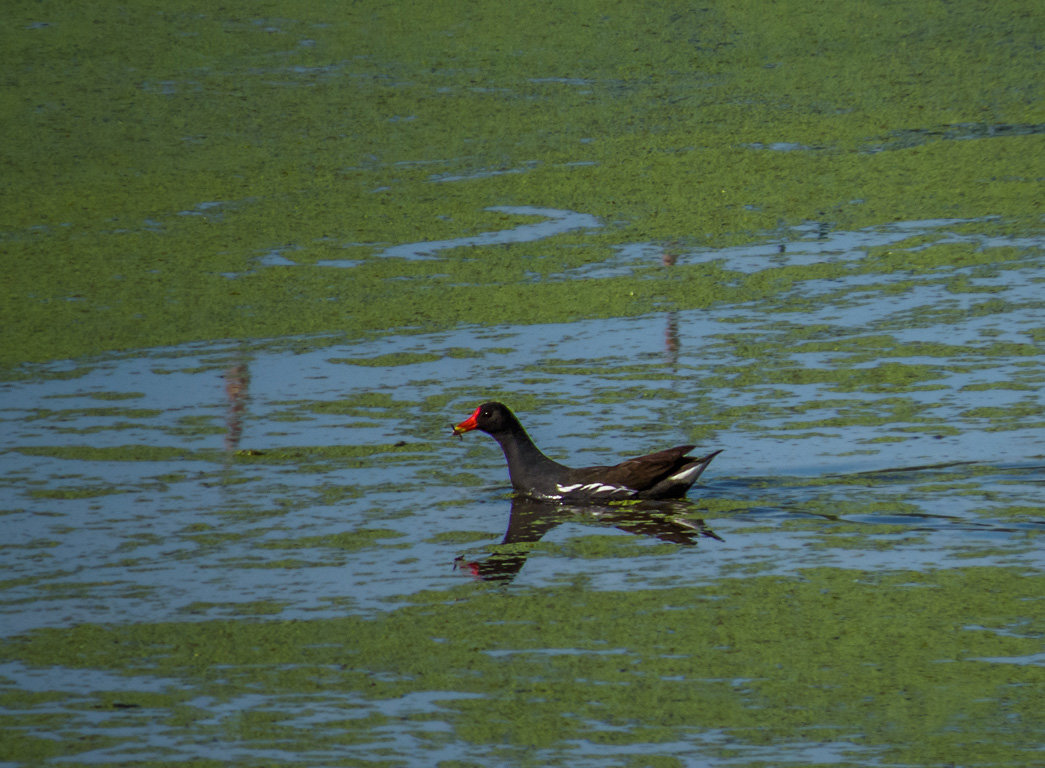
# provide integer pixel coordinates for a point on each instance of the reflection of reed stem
(237, 381)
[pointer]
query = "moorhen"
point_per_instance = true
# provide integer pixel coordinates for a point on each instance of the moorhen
(667, 474)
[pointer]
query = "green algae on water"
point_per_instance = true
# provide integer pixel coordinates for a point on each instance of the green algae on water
(909, 665)
(154, 198)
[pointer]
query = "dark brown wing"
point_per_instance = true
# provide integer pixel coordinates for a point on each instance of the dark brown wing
(639, 473)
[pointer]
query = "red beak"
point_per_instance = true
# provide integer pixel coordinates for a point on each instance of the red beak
(468, 424)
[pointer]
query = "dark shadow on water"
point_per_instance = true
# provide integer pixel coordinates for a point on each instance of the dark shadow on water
(531, 519)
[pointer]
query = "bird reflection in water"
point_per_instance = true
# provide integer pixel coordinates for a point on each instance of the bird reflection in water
(531, 518)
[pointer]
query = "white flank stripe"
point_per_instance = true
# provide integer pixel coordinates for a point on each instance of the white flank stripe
(594, 488)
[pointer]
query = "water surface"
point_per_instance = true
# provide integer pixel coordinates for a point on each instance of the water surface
(263, 507)
(256, 265)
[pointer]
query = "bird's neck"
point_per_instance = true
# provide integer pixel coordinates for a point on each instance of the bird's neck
(525, 460)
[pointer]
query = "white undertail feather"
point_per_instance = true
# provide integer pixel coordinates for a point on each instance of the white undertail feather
(684, 475)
